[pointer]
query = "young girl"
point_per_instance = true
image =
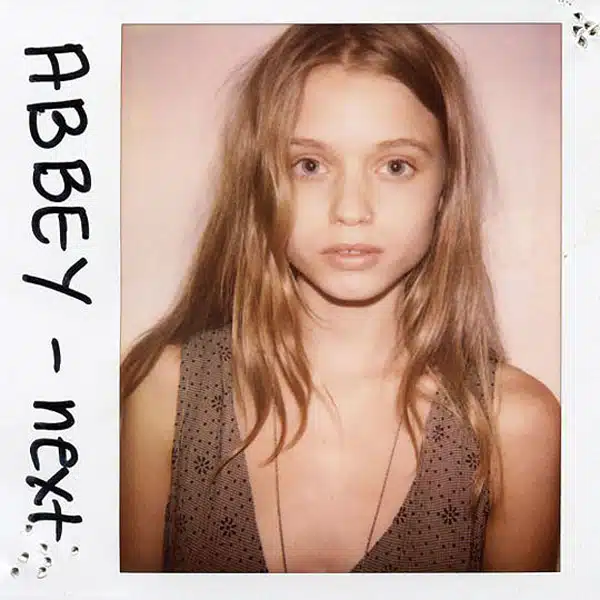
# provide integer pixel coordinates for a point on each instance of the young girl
(330, 393)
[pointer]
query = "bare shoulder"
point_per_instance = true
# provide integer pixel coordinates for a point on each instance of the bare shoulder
(154, 402)
(164, 375)
(527, 409)
(522, 531)
(147, 433)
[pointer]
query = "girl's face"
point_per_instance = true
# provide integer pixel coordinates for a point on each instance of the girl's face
(367, 166)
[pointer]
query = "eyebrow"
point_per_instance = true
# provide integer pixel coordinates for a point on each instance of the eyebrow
(383, 145)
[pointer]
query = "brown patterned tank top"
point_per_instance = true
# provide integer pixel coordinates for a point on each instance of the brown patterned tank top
(210, 524)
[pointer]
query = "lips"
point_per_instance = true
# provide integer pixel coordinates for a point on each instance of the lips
(352, 257)
(352, 249)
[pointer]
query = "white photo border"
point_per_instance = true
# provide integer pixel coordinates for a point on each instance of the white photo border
(89, 334)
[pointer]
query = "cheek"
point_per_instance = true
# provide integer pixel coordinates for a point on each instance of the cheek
(408, 226)
(407, 246)
(312, 199)
(303, 242)
(311, 219)
(411, 212)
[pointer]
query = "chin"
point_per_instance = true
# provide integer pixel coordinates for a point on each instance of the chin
(354, 292)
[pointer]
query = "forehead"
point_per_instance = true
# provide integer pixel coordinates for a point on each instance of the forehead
(352, 107)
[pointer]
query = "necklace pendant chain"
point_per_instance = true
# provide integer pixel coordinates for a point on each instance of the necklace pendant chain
(377, 509)
(278, 502)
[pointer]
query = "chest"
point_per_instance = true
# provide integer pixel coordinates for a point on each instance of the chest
(330, 485)
(328, 499)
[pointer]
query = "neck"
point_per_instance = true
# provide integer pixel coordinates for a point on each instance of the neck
(351, 341)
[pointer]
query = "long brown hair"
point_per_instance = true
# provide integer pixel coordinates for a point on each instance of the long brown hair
(241, 276)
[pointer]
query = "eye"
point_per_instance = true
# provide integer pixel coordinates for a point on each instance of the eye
(307, 167)
(398, 167)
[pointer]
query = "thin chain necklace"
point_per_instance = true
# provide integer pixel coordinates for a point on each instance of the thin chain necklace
(377, 509)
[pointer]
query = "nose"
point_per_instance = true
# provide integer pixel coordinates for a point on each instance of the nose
(351, 204)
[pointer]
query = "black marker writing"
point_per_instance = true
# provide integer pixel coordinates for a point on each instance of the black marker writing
(69, 182)
(62, 408)
(53, 52)
(63, 287)
(67, 453)
(49, 485)
(57, 119)
(56, 354)
(57, 516)
(61, 212)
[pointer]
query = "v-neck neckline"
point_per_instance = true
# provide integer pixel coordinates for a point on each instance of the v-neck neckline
(245, 482)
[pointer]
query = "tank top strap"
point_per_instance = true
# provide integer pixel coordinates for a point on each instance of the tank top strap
(209, 520)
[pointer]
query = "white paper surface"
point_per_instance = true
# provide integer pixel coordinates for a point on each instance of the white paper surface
(88, 334)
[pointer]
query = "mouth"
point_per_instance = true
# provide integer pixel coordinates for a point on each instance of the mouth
(352, 250)
(352, 257)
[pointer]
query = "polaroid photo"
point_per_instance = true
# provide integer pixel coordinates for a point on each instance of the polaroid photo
(298, 290)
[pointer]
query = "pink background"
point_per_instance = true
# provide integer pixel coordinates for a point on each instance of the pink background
(173, 86)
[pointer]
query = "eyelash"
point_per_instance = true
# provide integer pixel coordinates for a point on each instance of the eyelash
(402, 161)
(300, 161)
